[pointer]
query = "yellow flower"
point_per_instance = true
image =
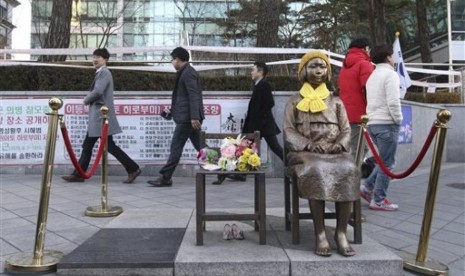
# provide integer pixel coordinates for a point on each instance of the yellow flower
(247, 152)
(242, 166)
(243, 159)
(254, 160)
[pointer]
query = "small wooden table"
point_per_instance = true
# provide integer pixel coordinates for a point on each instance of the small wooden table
(259, 215)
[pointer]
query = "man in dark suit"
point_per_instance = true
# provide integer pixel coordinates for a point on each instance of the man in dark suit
(259, 116)
(101, 93)
(186, 111)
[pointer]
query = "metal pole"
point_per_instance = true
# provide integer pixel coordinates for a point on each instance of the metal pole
(361, 141)
(449, 42)
(356, 215)
(462, 81)
(420, 263)
(41, 261)
(103, 210)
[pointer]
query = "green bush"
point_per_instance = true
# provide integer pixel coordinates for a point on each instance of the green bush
(42, 78)
(438, 97)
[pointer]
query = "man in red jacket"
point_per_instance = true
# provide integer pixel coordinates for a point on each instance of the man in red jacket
(356, 69)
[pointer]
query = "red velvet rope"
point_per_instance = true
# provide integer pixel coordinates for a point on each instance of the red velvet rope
(74, 160)
(415, 164)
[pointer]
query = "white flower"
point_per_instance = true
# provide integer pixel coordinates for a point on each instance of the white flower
(230, 165)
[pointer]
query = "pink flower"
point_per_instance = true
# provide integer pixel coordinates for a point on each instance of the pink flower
(254, 147)
(228, 151)
(202, 154)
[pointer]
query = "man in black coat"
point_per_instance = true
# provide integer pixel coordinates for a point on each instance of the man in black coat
(259, 115)
(186, 111)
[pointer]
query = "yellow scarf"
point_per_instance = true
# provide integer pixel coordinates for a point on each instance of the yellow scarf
(313, 98)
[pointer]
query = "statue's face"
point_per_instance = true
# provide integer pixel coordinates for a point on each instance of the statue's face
(317, 71)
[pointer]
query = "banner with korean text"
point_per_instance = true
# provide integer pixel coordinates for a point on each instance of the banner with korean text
(146, 136)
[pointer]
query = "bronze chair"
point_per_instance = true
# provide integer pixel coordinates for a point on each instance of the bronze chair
(292, 215)
(259, 215)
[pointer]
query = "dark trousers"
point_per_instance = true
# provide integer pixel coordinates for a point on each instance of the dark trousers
(182, 132)
(116, 151)
(274, 145)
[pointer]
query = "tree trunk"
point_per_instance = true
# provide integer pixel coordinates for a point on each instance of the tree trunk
(58, 35)
(375, 10)
(268, 25)
(423, 32)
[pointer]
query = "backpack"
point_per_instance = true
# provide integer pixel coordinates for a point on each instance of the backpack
(368, 166)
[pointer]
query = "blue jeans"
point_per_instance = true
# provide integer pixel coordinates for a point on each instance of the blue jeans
(385, 137)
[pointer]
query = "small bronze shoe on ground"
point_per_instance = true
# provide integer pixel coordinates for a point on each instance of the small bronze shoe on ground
(238, 234)
(227, 232)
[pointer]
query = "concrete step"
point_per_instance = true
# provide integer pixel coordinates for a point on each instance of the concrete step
(217, 256)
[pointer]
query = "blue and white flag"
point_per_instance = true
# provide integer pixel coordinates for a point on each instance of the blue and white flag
(399, 66)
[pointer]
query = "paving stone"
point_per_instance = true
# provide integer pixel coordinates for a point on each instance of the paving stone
(117, 251)
(21, 192)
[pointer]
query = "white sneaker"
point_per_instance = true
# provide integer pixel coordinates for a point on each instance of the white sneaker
(365, 193)
(384, 205)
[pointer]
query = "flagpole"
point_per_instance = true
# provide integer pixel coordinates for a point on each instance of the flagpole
(449, 41)
(399, 67)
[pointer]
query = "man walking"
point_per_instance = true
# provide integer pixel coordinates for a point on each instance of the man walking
(259, 114)
(100, 94)
(385, 113)
(186, 111)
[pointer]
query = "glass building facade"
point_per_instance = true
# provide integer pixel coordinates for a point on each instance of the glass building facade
(6, 25)
(147, 23)
(137, 23)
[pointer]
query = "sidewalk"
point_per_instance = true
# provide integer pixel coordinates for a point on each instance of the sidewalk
(67, 226)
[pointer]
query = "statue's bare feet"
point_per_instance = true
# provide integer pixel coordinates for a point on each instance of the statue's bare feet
(343, 246)
(322, 247)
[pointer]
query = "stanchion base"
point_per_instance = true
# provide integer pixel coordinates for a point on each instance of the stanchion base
(98, 211)
(25, 263)
(428, 267)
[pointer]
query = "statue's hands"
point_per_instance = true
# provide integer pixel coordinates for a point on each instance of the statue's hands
(335, 148)
(318, 148)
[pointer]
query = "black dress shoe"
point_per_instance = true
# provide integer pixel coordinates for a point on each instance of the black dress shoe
(73, 178)
(219, 180)
(161, 182)
(132, 176)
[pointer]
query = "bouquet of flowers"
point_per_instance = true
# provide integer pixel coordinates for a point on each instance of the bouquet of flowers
(236, 154)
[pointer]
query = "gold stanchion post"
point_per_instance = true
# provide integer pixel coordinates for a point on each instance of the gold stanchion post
(358, 155)
(104, 210)
(361, 141)
(42, 261)
(420, 263)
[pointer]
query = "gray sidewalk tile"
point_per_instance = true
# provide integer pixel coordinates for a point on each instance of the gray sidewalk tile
(441, 256)
(450, 237)
(78, 235)
(457, 267)
(457, 249)
(455, 227)
(67, 226)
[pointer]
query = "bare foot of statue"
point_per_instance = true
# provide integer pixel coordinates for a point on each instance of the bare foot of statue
(343, 246)
(322, 247)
